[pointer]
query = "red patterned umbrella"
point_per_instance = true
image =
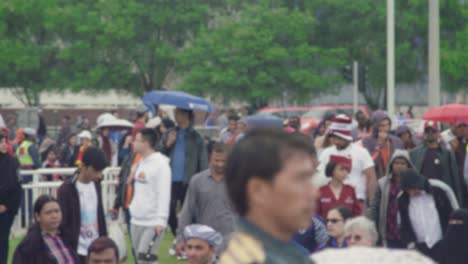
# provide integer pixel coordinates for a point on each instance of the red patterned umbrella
(450, 113)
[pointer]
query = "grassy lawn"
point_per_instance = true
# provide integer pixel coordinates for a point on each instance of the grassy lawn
(163, 250)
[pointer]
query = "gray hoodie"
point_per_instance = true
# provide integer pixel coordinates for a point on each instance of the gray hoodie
(379, 206)
(372, 144)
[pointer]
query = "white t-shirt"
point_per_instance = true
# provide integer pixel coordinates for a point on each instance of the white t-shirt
(89, 220)
(360, 161)
(425, 219)
(152, 192)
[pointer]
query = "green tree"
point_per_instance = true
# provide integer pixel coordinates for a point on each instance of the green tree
(359, 27)
(28, 49)
(454, 55)
(257, 54)
(129, 45)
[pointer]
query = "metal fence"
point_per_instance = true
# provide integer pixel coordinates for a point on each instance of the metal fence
(38, 187)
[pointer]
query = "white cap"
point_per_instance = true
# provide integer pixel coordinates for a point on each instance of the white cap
(29, 131)
(141, 109)
(85, 134)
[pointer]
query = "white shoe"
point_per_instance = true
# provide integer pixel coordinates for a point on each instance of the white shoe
(172, 250)
(183, 257)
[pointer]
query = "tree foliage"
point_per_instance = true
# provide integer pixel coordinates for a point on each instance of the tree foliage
(259, 53)
(28, 48)
(454, 55)
(253, 50)
(359, 27)
(127, 44)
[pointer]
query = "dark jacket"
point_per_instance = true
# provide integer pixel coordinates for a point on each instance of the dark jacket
(10, 188)
(196, 158)
(63, 135)
(68, 155)
(33, 250)
(34, 153)
(444, 204)
(449, 167)
(69, 201)
(120, 192)
(74, 157)
(371, 142)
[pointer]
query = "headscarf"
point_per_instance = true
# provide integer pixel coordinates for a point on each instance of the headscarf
(203, 232)
(456, 239)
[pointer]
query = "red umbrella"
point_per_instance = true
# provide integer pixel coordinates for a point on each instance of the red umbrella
(450, 113)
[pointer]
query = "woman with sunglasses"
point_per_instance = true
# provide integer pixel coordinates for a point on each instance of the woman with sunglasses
(336, 192)
(336, 219)
(43, 243)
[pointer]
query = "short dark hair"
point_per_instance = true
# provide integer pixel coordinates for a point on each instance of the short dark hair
(190, 113)
(41, 201)
(94, 157)
(149, 135)
(261, 153)
(218, 147)
(359, 112)
(70, 136)
(233, 118)
(168, 123)
(344, 211)
(2, 135)
(102, 243)
(330, 168)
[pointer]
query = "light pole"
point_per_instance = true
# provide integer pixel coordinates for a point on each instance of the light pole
(355, 86)
(391, 57)
(434, 54)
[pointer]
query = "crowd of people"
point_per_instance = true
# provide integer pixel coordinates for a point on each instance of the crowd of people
(250, 196)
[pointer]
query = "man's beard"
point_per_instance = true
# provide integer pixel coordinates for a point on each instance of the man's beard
(431, 141)
(344, 146)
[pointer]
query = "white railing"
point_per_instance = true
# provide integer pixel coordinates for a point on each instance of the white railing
(38, 186)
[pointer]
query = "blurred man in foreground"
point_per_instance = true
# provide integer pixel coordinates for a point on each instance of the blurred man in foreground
(268, 178)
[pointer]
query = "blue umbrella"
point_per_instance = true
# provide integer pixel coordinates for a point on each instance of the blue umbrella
(263, 121)
(178, 99)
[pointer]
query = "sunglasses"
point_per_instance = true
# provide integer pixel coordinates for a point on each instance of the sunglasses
(356, 238)
(333, 220)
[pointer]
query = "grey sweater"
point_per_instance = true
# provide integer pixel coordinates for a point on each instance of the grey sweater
(207, 203)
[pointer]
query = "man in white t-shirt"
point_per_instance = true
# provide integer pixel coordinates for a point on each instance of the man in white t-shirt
(149, 208)
(362, 175)
(80, 199)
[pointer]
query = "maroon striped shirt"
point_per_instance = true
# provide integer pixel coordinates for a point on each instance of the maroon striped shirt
(57, 249)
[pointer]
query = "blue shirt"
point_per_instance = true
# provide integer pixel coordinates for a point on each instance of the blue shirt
(312, 237)
(178, 157)
(333, 243)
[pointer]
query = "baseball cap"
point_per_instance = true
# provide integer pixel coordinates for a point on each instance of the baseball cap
(431, 124)
(141, 109)
(85, 134)
(29, 131)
